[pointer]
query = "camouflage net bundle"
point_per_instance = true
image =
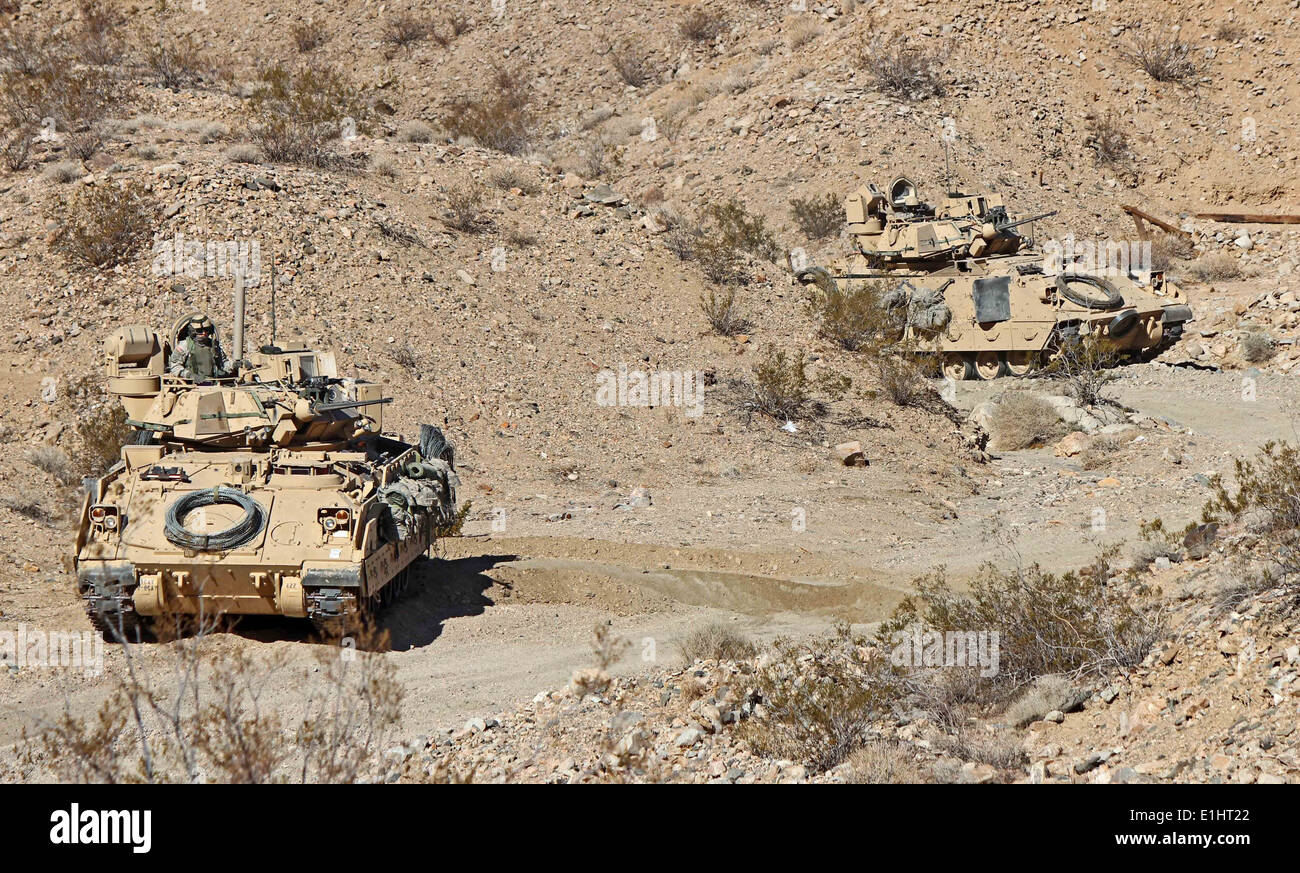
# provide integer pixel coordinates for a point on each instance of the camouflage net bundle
(923, 308)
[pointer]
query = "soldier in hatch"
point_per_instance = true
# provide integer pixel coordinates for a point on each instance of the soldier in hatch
(198, 356)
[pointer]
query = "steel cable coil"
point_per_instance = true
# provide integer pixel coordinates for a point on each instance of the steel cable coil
(1111, 300)
(232, 537)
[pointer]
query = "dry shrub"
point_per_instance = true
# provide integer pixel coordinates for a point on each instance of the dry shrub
(53, 461)
(98, 43)
(722, 312)
(415, 131)
(998, 751)
(701, 24)
(453, 525)
(176, 61)
(903, 70)
(101, 434)
(465, 209)
(1216, 267)
(28, 504)
(1100, 452)
(817, 217)
(851, 314)
(1168, 250)
(298, 116)
(309, 36)
(63, 172)
(510, 177)
(1046, 694)
(881, 762)
(737, 228)
(632, 66)
(716, 642)
(204, 718)
(780, 385)
(803, 32)
(1084, 367)
(1108, 138)
(901, 380)
(1266, 501)
(405, 29)
(16, 149)
(1024, 421)
(1074, 624)
(500, 120)
(821, 697)
(244, 153)
(102, 226)
(1164, 57)
(1257, 347)
(44, 86)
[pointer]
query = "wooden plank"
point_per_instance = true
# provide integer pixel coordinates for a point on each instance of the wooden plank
(1147, 216)
(1248, 218)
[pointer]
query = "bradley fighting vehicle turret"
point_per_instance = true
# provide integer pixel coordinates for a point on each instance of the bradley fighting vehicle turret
(274, 492)
(970, 288)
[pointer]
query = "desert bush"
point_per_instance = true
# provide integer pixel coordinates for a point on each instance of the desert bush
(211, 723)
(998, 751)
(1266, 501)
(722, 312)
(298, 116)
(716, 642)
(701, 24)
(817, 217)
(631, 65)
(1164, 57)
(1167, 250)
(1230, 31)
(405, 29)
(738, 229)
(851, 314)
(1046, 694)
(16, 149)
(500, 121)
(385, 166)
(900, 379)
(1074, 624)
(1257, 347)
(98, 43)
(101, 226)
(465, 209)
(903, 70)
(243, 153)
(1023, 421)
(1084, 367)
(76, 100)
(28, 504)
(309, 36)
(1100, 452)
(821, 698)
(803, 32)
(415, 131)
(881, 762)
(1215, 267)
(397, 231)
(455, 524)
(510, 177)
(1108, 138)
(176, 61)
(780, 385)
(63, 172)
(53, 461)
(101, 433)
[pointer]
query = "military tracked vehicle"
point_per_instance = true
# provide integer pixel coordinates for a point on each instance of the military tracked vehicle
(968, 287)
(274, 492)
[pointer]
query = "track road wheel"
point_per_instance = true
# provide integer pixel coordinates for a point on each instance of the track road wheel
(1021, 363)
(956, 367)
(988, 365)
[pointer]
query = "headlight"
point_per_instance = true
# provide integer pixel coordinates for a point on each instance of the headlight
(334, 519)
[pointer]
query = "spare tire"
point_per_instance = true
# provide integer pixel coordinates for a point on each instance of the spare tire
(1111, 300)
(1123, 323)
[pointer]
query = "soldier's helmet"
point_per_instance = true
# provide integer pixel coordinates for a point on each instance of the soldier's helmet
(199, 323)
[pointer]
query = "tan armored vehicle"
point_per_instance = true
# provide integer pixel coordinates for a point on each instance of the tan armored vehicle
(274, 492)
(975, 292)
